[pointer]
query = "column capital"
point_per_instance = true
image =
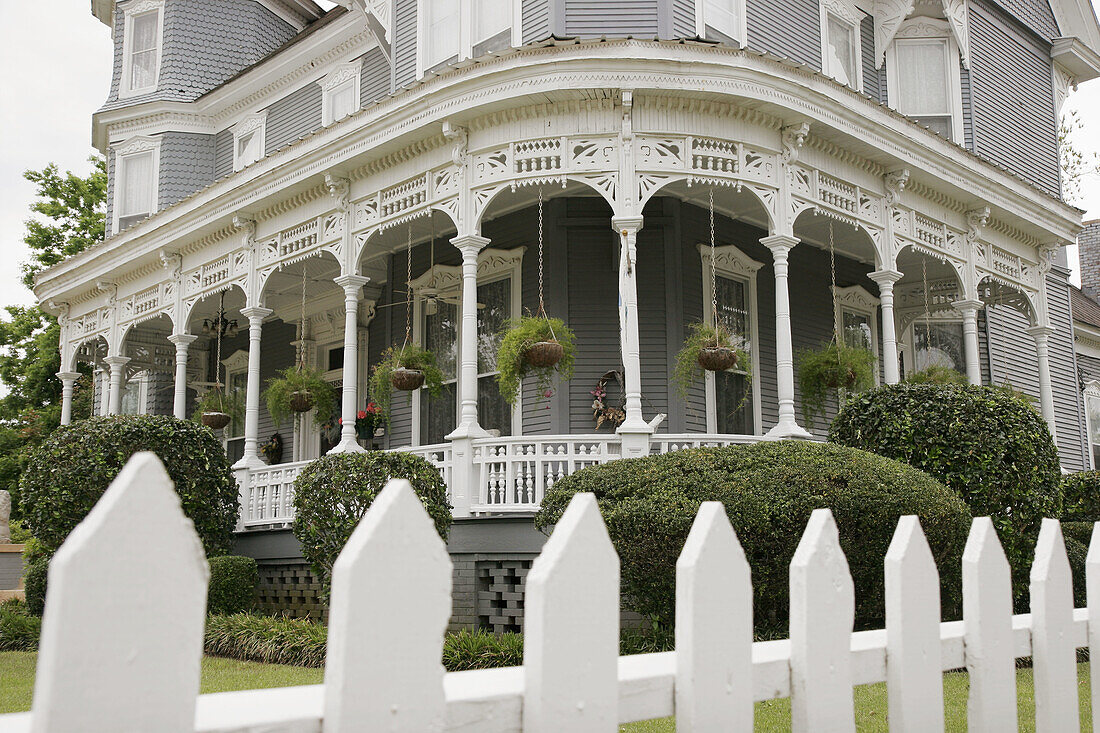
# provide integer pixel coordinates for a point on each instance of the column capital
(351, 283)
(254, 312)
(1040, 332)
(968, 306)
(68, 376)
(182, 339)
(466, 243)
(627, 223)
(883, 277)
(116, 361)
(779, 242)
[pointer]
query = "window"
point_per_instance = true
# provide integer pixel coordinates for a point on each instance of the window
(841, 52)
(720, 20)
(491, 26)
(938, 343)
(733, 401)
(142, 33)
(135, 395)
(137, 169)
(454, 29)
(924, 78)
(441, 31)
(340, 92)
(1092, 420)
(248, 140)
(856, 318)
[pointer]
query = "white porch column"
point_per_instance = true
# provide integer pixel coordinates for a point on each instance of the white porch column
(118, 371)
(885, 280)
(351, 284)
(103, 386)
(179, 402)
(464, 480)
(635, 431)
(787, 427)
(251, 458)
(68, 379)
(1041, 334)
(969, 311)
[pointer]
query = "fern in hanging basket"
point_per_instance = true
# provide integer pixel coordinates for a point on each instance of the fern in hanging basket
(216, 408)
(395, 365)
(299, 389)
(830, 368)
(523, 352)
(709, 348)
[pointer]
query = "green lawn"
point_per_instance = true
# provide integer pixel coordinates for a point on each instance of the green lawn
(223, 675)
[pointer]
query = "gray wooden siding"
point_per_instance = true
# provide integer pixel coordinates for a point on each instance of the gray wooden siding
(1088, 367)
(790, 28)
(1012, 97)
(536, 20)
(223, 154)
(292, 117)
(874, 82)
(594, 18)
(374, 80)
(683, 18)
(967, 109)
(186, 165)
(404, 43)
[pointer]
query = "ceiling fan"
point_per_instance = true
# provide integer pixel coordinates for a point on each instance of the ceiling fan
(432, 297)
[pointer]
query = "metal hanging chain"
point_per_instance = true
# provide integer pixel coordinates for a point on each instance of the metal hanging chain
(927, 306)
(408, 287)
(713, 275)
(218, 349)
(832, 281)
(542, 304)
(302, 324)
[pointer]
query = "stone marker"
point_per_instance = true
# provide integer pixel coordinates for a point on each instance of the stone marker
(5, 516)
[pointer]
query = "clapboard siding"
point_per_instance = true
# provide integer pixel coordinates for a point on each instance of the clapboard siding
(375, 78)
(1088, 367)
(292, 117)
(967, 109)
(404, 43)
(223, 154)
(871, 77)
(683, 18)
(186, 165)
(1012, 90)
(594, 18)
(536, 20)
(790, 28)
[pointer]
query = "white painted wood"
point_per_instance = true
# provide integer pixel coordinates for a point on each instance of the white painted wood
(822, 614)
(571, 635)
(713, 628)
(122, 633)
(391, 601)
(987, 614)
(1053, 651)
(1092, 591)
(914, 677)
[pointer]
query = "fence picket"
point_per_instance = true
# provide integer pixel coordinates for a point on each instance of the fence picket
(987, 614)
(1053, 652)
(122, 634)
(571, 634)
(822, 615)
(713, 628)
(1092, 600)
(914, 675)
(391, 601)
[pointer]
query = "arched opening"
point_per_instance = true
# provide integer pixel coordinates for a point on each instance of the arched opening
(90, 392)
(929, 327)
(149, 385)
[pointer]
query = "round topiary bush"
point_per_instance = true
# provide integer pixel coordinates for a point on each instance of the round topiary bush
(988, 444)
(1081, 496)
(68, 473)
(233, 580)
(769, 491)
(333, 493)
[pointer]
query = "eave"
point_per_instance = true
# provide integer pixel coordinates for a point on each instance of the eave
(1081, 62)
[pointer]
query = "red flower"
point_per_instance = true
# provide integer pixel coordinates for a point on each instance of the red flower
(341, 421)
(362, 414)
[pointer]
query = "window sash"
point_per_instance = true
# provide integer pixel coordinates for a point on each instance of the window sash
(857, 329)
(441, 31)
(490, 18)
(841, 49)
(342, 100)
(722, 16)
(733, 406)
(922, 70)
(248, 148)
(940, 344)
(136, 180)
(1092, 407)
(143, 49)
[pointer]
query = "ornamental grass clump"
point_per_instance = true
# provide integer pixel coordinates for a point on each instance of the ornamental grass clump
(518, 337)
(701, 336)
(397, 362)
(830, 369)
(299, 389)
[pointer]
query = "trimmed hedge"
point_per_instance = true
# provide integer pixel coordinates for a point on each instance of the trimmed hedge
(1081, 496)
(233, 580)
(34, 584)
(333, 493)
(769, 490)
(988, 444)
(67, 474)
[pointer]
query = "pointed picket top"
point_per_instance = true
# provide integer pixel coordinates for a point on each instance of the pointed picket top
(987, 615)
(822, 615)
(122, 633)
(391, 602)
(571, 627)
(713, 628)
(1092, 590)
(1052, 648)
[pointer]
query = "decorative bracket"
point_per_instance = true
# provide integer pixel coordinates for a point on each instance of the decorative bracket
(340, 190)
(172, 262)
(1046, 257)
(793, 136)
(976, 219)
(459, 138)
(248, 225)
(110, 288)
(895, 182)
(889, 15)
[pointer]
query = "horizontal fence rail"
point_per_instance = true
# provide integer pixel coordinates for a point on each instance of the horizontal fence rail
(122, 632)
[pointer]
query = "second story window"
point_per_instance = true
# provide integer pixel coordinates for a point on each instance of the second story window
(142, 34)
(340, 92)
(841, 52)
(923, 76)
(454, 29)
(137, 163)
(441, 35)
(248, 140)
(720, 20)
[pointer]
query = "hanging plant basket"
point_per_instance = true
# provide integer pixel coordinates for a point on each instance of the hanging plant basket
(215, 420)
(404, 369)
(216, 409)
(824, 371)
(299, 389)
(301, 402)
(717, 358)
(544, 354)
(534, 345)
(709, 348)
(407, 380)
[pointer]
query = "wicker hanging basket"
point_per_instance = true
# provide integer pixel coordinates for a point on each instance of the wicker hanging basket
(407, 379)
(215, 420)
(301, 401)
(544, 354)
(717, 358)
(845, 380)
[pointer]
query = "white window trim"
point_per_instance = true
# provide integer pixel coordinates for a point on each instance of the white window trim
(856, 299)
(492, 265)
(138, 8)
(907, 348)
(234, 365)
(733, 264)
(741, 32)
(466, 41)
(1092, 389)
(135, 146)
(142, 400)
(849, 13)
(932, 29)
(253, 123)
(340, 75)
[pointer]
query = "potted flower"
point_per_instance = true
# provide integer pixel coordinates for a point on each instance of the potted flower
(272, 450)
(216, 408)
(299, 389)
(367, 422)
(828, 370)
(405, 369)
(709, 349)
(534, 345)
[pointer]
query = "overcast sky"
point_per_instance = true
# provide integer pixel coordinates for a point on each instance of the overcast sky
(57, 69)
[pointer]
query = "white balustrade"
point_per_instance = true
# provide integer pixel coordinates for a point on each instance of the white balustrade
(127, 591)
(667, 443)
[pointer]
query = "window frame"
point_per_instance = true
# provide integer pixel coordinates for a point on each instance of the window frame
(1091, 391)
(924, 29)
(339, 77)
(466, 40)
(139, 380)
(142, 7)
(857, 299)
(132, 148)
(255, 124)
(733, 264)
(740, 34)
(907, 346)
(848, 13)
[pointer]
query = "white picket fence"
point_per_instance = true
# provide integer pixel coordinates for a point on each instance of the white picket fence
(122, 634)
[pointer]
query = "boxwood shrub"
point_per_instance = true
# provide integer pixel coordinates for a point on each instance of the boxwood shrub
(233, 580)
(34, 584)
(1081, 496)
(769, 491)
(19, 630)
(67, 474)
(333, 493)
(988, 444)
